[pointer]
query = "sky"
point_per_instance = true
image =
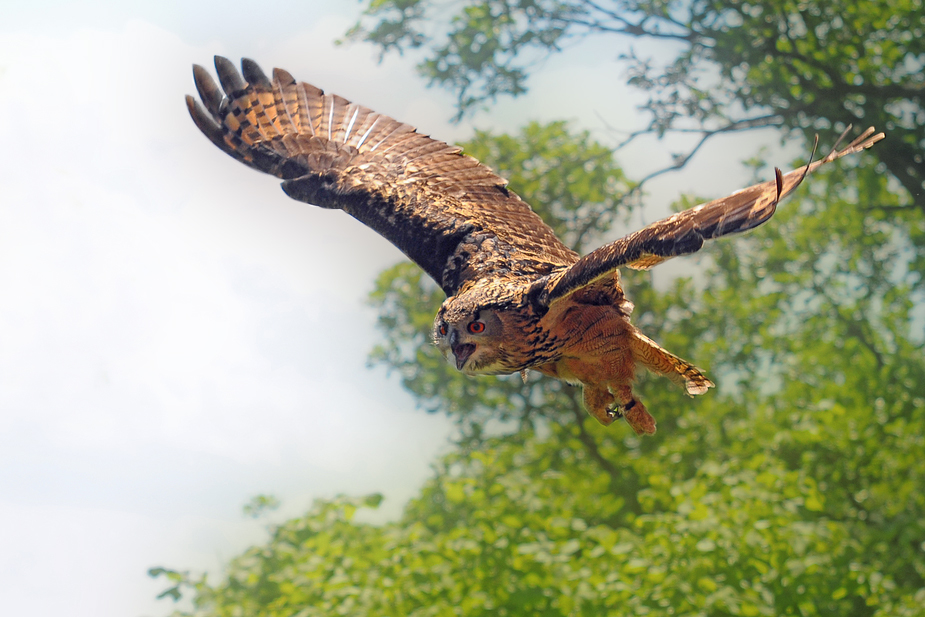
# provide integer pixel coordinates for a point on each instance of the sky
(176, 335)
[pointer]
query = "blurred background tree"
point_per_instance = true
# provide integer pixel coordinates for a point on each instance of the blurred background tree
(731, 65)
(794, 488)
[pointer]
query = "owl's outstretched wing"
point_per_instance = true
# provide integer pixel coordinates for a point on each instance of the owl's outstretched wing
(685, 232)
(447, 212)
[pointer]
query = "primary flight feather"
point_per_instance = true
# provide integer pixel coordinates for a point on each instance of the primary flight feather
(517, 298)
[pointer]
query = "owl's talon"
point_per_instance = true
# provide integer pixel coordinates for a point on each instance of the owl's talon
(617, 412)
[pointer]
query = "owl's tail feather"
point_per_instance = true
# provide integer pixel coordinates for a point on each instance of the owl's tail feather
(659, 360)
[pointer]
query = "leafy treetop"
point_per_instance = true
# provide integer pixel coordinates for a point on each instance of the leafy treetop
(734, 65)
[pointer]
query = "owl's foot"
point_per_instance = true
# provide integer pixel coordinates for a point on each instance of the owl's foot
(638, 417)
(615, 413)
(599, 403)
(603, 406)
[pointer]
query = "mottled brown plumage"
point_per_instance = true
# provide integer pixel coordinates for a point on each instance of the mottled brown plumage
(517, 298)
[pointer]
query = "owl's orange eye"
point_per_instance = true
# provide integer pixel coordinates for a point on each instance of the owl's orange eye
(476, 327)
(442, 330)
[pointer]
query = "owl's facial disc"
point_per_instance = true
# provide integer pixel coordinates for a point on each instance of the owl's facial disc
(474, 338)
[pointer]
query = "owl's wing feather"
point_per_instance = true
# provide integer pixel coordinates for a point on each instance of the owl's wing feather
(685, 232)
(447, 212)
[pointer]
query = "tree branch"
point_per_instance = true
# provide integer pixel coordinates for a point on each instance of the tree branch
(638, 29)
(760, 122)
(588, 441)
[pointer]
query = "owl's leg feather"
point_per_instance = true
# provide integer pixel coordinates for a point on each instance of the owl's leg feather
(606, 408)
(600, 402)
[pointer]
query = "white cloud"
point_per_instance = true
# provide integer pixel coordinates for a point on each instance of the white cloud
(175, 334)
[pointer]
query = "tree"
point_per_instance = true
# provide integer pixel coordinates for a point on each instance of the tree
(794, 489)
(735, 65)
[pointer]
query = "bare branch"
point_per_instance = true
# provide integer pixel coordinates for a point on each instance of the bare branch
(747, 124)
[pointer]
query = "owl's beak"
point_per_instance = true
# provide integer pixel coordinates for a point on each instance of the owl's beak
(462, 353)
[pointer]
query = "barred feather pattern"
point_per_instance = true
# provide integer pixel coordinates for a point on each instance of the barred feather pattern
(662, 362)
(423, 195)
(685, 232)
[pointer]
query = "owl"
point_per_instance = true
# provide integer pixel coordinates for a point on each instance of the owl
(518, 299)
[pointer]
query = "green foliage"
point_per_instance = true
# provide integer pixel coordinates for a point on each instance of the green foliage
(260, 505)
(713, 522)
(794, 488)
(732, 65)
(479, 58)
(581, 188)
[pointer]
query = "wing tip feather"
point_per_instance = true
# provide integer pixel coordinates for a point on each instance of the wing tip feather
(283, 76)
(208, 90)
(228, 75)
(208, 126)
(254, 75)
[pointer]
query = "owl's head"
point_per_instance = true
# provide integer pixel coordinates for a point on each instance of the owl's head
(474, 337)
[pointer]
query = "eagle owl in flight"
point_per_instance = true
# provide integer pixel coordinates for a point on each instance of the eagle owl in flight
(517, 297)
